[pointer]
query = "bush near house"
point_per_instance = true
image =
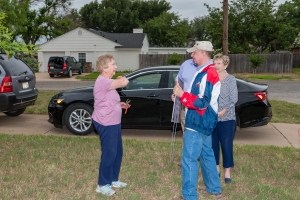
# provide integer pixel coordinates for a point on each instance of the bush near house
(255, 60)
(32, 62)
(175, 59)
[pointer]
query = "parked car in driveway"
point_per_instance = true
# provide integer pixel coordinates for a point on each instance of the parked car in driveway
(17, 86)
(63, 65)
(150, 90)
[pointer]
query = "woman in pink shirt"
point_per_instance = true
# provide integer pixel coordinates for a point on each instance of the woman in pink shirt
(107, 121)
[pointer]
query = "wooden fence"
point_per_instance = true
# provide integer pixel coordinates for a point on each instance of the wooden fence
(275, 63)
(296, 60)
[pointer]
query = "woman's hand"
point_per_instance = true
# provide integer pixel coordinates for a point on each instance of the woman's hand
(124, 105)
(222, 112)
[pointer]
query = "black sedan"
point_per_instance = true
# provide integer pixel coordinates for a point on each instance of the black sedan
(150, 90)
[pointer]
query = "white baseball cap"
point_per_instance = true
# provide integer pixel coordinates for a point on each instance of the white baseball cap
(201, 45)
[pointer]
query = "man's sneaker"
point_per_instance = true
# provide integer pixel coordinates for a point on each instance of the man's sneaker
(106, 190)
(118, 184)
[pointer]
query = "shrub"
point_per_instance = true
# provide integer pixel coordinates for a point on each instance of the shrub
(175, 59)
(32, 62)
(256, 60)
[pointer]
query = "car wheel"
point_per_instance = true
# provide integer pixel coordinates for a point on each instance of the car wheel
(79, 71)
(15, 113)
(70, 73)
(51, 75)
(78, 119)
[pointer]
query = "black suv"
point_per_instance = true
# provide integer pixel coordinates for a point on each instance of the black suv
(63, 65)
(17, 86)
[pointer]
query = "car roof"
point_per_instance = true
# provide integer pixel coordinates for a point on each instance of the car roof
(156, 68)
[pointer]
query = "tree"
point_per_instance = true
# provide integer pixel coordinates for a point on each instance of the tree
(197, 29)
(109, 16)
(8, 45)
(75, 19)
(15, 11)
(150, 9)
(252, 24)
(45, 21)
(167, 30)
(121, 16)
(289, 17)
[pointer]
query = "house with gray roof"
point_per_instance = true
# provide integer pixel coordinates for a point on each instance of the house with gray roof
(85, 45)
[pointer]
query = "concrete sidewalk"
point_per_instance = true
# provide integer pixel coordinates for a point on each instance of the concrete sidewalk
(44, 76)
(278, 134)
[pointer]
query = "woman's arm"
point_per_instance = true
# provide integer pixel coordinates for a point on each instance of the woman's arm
(119, 82)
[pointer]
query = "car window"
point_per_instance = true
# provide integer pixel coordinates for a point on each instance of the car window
(2, 72)
(145, 81)
(74, 60)
(56, 60)
(172, 76)
(68, 61)
(16, 67)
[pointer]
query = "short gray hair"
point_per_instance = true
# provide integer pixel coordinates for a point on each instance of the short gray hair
(224, 58)
(102, 61)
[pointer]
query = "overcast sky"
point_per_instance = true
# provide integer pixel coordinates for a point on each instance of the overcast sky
(185, 8)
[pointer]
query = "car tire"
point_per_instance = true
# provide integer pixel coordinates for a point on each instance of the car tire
(70, 73)
(78, 119)
(51, 75)
(15, 113)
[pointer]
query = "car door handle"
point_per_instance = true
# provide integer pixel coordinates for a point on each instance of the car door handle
(153, 95)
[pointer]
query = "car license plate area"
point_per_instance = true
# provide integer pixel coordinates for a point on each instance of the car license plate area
(51, 67)
(25, 85)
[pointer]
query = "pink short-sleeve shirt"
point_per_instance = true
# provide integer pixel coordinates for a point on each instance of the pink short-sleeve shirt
(107, 108)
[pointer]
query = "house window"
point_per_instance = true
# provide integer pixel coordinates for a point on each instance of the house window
(82, 57)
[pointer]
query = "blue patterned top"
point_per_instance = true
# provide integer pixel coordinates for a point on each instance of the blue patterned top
(228, 98)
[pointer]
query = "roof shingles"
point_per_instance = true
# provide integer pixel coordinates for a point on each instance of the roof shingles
(126, 40)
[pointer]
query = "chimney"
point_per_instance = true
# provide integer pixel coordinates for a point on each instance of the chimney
(137, 30)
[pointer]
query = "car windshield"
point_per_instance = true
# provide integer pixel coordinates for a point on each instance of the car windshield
(56, 60)
(16, 67)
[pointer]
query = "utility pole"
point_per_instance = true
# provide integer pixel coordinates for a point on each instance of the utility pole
(225, 27)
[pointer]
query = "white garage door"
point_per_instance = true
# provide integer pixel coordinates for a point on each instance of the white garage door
(47, 55)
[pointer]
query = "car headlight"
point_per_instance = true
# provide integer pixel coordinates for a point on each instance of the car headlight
(58, 101)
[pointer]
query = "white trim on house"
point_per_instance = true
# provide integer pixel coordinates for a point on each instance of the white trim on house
(167, 50)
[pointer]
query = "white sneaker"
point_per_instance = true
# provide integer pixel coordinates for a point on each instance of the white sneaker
(106, 190)
(118, 184)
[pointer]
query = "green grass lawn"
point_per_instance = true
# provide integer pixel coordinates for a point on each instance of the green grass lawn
(295, 75)
(63, 167)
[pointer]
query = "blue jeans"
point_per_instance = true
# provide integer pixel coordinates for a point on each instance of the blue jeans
(112, 153)
(197, 145)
